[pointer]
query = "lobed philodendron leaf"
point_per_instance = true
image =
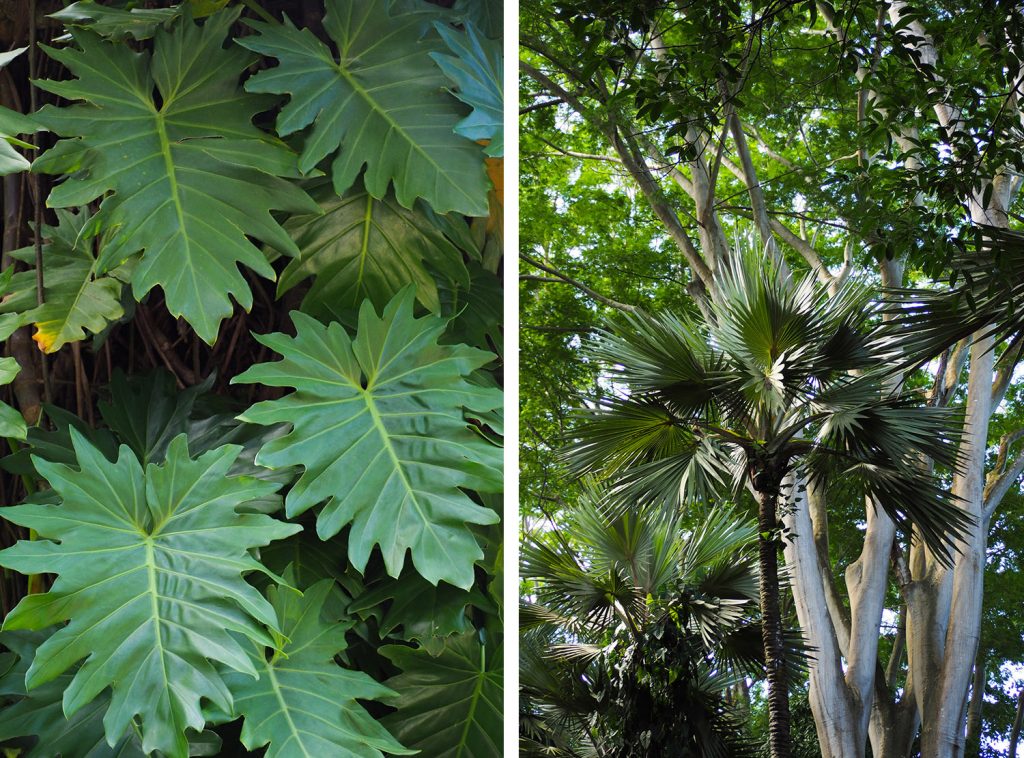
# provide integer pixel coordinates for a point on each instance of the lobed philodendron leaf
(378, 424)
(476, 70)
(450, 705)
(77, 298)
(150, 565)
(365, 247)
(12, 425)
(380, 102)
(303, 705)
(166, 138)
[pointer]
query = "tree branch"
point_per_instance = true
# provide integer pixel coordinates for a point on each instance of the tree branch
(592, 294)
(637, 167)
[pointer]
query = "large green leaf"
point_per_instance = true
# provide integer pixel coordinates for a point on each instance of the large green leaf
(363, 247)
(419, 609)
(449, 706)
(304, 704)
(167, 139)
(380, 103)
(37, 713)
(377, 423)
(77, 298)
(149, 564)
(476, 70)
(11, 422)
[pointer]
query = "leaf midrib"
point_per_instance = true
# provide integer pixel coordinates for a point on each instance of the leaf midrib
(377, 108)
(385, 436)
(155, 609)
(279, 696)
(481, 676)
(172, 178)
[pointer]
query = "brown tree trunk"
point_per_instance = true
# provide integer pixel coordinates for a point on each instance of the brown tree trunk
(771, 626)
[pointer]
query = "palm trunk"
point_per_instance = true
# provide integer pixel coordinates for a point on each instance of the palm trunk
(771, 626)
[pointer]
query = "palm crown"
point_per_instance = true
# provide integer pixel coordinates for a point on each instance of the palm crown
(782, 375)
(641, 620)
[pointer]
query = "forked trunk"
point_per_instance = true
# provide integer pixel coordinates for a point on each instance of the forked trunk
(771, 625)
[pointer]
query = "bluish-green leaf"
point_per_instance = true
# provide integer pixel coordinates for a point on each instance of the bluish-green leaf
(379, 103)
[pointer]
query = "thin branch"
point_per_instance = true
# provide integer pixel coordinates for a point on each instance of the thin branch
(1005, 474)
(634, 162)
(593, 294)
(538, 106)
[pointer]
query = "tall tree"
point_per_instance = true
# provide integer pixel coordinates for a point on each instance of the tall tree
(856, 140)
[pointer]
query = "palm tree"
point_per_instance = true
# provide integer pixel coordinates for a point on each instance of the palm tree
(781, 381)
(636, 631)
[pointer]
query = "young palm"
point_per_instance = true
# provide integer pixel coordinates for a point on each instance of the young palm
(782, 381)
(637, 630)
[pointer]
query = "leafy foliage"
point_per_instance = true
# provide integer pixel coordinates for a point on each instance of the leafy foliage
(460, 688)
(361, 247)
(764, 387)
(38, 712)
(170, 136)
(379, 425)
(12, 425)
(476, 71)
(180, 550)
(366, 98)
(170, 592)
(303, 703)
(631, 639)
(12, 123)
(78, 299)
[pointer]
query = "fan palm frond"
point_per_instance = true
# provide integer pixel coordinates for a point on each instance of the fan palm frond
(988, 299)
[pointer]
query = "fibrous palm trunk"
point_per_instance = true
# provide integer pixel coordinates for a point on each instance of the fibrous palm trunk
(771, 624)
